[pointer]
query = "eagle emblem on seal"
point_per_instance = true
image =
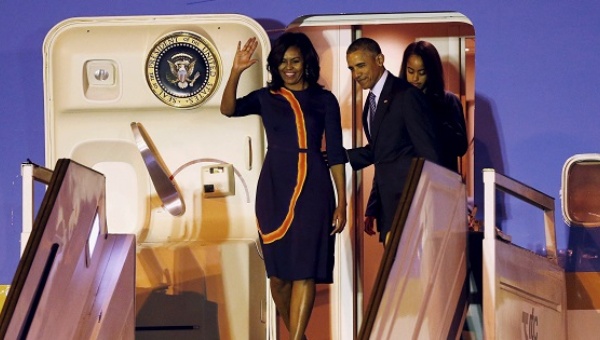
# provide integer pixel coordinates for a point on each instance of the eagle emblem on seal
(182, 67)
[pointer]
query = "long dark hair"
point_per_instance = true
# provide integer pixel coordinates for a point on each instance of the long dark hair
(312, 70)
(433, 66)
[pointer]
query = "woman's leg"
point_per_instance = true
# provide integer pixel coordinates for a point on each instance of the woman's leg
(301, 305)
(281, 291)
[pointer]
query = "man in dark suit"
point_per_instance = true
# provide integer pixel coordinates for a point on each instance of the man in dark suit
(400, 129)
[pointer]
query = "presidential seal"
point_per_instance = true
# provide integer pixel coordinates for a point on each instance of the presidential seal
(183, 69)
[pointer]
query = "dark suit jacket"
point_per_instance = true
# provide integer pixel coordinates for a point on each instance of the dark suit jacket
(403, 129)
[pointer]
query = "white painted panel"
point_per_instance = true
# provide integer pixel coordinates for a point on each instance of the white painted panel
(524, 294)
(426, 280)
(583, 324)
(96, 85)
(530, 295)
(94, 128)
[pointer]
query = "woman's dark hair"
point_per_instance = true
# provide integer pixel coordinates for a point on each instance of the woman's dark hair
(312, 70)
(433, 66)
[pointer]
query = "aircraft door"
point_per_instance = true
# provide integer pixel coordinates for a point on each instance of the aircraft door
(359, 256)
(166, 74)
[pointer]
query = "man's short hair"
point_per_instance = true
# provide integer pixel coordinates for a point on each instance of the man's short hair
(365, 44)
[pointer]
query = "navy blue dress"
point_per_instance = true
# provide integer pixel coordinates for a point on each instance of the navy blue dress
(295, 199)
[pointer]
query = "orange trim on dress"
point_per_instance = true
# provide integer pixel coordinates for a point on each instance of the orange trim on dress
(280, 232)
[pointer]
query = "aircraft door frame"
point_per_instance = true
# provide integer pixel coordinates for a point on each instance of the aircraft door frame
(331, 34)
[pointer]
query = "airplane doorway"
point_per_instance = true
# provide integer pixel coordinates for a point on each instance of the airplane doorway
(359, 255)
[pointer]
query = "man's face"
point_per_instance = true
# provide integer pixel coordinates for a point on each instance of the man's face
(366, 67)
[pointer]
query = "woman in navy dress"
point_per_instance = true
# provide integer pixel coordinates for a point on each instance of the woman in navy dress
(296, 208)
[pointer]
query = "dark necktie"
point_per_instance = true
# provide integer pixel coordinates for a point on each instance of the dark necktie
(372, 109)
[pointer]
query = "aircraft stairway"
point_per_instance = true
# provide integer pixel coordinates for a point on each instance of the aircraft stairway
(438, 280)
(435, 280)
(421, 284)
(75, 280)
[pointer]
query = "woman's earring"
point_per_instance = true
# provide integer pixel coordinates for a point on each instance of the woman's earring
(306, 72)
